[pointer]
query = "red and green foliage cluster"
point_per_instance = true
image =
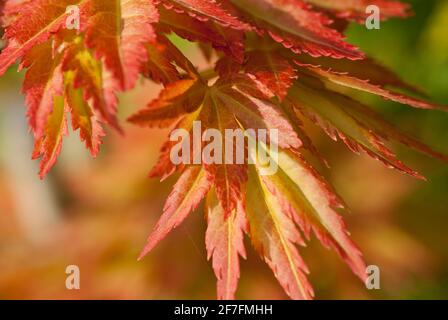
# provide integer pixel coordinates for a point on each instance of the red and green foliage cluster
(279, 61)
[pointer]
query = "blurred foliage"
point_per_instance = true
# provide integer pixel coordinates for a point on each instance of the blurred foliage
(97, 213)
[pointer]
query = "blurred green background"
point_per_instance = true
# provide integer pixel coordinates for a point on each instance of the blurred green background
(97, 213)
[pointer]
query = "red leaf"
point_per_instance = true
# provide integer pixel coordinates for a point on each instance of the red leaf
(95, 82)
(229, 175)
(345, 80)
(49, 144)
(366, 70)
(188, 192)
(331, 111)
(228, 40)
(272, 71)
(37, 21)
(255, 113)
(306, 198)
(118, 31)
(293, 24)
(206, 10)
(224, 240)
(176, 100)
(164, 58)
(274, 236)
(43, 81)
(83, 118)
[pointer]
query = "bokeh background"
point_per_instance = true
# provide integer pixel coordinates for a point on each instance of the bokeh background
(97, 213)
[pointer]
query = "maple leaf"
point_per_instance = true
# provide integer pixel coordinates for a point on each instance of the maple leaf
(306, 197)
(228, 178)
(33, 22)
(227, 40)
(224, 101)
(272, 71)
(278, 61)
(274, 235)
(332, 112)
(295, 26)
(61, 64)
(208, 105)
(164, 61)
(206, 10)
(297, 196)
(366, 70)
(188, 192)
(224, 239)
(50, 143)
(84, 75)
(44, 88)
(176, 100)
(118, 31)
(61, 79)
(346, 80)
